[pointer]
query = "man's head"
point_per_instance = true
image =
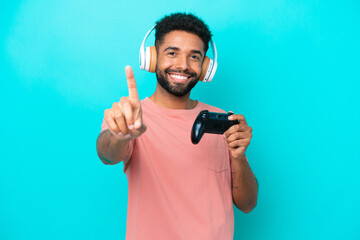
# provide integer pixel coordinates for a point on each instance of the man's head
(185, 22)
(181, 42)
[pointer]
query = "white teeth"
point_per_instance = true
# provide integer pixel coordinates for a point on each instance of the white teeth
(179, 77)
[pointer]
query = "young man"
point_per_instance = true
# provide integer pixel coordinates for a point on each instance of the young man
(177, 190)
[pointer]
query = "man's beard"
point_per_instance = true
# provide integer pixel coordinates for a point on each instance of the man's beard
(179, 89)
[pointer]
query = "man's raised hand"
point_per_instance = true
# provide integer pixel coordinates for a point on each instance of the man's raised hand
(124, 118)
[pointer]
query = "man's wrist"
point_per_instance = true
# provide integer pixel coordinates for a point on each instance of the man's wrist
(241, 158)
(118, 138)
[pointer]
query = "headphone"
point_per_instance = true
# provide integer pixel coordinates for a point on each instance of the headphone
(148, 58)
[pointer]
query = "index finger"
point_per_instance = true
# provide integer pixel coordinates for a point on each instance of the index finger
(133, 93)
(239, 117)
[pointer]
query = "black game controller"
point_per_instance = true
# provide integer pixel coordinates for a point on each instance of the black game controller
(210, 122)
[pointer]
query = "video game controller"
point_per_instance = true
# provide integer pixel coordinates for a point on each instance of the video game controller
(210, 122)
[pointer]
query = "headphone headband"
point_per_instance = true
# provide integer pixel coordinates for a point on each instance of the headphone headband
(142, 50)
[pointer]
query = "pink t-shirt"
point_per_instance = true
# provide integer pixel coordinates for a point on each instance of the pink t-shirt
(177, 190)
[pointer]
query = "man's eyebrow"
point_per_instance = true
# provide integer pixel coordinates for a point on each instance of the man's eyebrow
(172, 48)
(196, 52)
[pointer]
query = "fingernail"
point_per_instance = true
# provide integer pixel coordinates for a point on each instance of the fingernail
(131, 127)
(127, 135)
(119, 133)
(137, 124)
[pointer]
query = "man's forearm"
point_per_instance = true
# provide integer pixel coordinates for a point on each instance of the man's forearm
(244, 185)
(110, 149)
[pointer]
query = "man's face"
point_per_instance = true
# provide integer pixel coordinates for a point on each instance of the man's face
(179, 61)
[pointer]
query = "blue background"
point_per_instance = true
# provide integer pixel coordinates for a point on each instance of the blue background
(291, 67)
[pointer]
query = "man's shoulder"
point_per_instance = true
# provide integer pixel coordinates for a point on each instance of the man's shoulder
(211, 108)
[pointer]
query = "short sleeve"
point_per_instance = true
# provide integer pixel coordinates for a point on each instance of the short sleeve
(127, 158)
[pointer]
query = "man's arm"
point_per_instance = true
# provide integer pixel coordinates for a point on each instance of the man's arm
(124, 122)
(244, 183)
(111, 150)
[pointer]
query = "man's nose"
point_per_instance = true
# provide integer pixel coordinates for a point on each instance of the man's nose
(182, 63)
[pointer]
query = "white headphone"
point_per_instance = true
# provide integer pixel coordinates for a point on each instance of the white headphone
(148, 58)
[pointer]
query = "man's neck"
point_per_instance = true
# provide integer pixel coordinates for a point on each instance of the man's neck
(164, 99)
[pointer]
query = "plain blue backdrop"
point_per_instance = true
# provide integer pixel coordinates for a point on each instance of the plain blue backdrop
(291, 67)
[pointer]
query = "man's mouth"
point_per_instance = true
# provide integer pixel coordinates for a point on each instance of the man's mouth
(179, 78)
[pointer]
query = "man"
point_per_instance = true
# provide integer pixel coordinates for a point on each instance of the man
(177, 190)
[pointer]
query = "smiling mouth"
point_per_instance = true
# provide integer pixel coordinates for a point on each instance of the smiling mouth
(178, 78)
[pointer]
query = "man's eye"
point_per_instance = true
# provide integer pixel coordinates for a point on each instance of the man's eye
(171, 53)
(195, 57)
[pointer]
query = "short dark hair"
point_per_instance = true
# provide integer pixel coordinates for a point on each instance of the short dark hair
(182, 21)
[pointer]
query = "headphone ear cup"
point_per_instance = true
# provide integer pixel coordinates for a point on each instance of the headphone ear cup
(204, 68)
(153, 59)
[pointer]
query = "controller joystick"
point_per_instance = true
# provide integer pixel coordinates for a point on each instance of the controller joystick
(210, 122)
